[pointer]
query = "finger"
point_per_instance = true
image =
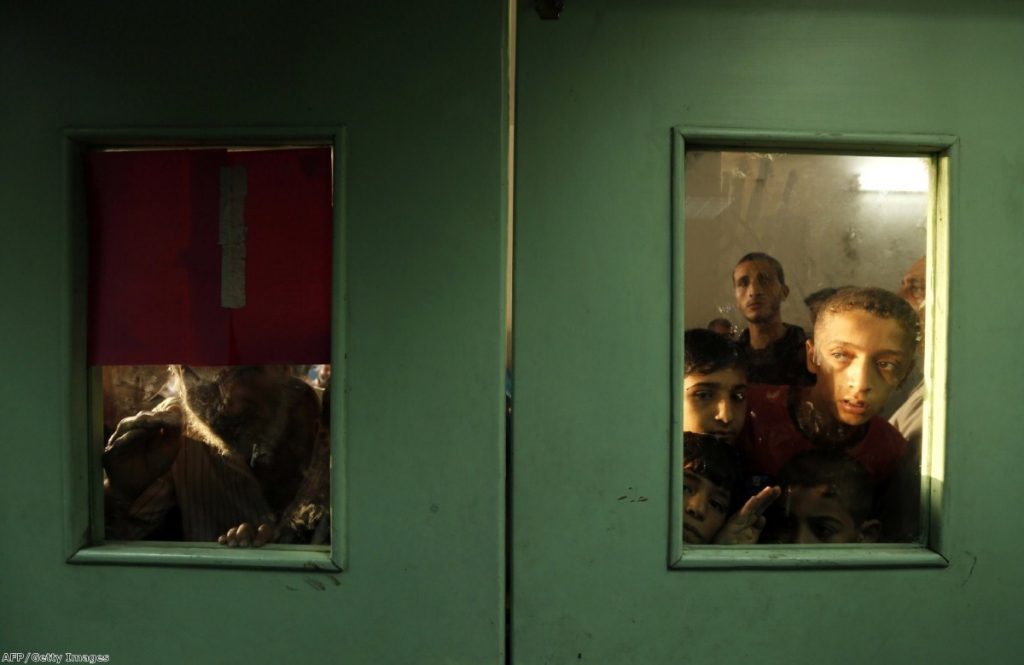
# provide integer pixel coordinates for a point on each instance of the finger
(245, 534)
(222, 539)
(759, 503)
(232, 537)
(264, 534)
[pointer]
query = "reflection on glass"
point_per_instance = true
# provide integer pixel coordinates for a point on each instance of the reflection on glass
(238, 454)
(805, 283)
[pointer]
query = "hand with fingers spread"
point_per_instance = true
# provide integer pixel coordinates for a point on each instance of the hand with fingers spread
(744, 528)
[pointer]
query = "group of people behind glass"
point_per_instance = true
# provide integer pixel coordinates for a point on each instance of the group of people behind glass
(784, 441)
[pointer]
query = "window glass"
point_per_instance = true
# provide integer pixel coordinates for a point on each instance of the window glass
(804, 316)
(209, 314)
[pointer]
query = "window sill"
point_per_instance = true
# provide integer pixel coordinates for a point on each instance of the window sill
(890, 555)
(203, 555)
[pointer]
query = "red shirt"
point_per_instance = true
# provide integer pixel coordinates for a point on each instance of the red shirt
(770, 437)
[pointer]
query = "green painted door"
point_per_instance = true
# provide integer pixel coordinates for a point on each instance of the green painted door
(421, 93)
(598, 94)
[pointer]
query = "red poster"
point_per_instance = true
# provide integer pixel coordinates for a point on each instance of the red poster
(158, 292)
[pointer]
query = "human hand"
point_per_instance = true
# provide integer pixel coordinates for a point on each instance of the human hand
(746, 525)
(143, 448)
(246, 535)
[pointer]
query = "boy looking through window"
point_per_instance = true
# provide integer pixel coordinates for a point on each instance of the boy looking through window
(714, 385)
(827, 498)
(710, 470)
(714, 405)
(863, 349)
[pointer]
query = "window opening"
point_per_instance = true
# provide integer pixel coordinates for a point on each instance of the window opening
(209, 338)
(803, 390)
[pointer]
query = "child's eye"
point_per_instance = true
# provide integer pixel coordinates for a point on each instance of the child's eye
(838, 355)
(739, 396)
(703, 395)
(887, 366)
(719, 506)
(687, 490)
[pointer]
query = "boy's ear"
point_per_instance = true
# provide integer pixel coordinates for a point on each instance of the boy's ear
(869, 531)
(785, 291)
(812, 364)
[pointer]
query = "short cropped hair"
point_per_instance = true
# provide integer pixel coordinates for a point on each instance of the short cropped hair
(715, 460)
(706, 351)
(761, 256)
(883, 304)
(845, 478)
(820, 296)
(817, 299)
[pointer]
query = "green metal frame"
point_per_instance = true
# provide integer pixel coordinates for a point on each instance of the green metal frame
(929, 552)
(82, 472)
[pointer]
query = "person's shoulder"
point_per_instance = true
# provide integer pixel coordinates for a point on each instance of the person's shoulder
(882, 431)
(794, 334)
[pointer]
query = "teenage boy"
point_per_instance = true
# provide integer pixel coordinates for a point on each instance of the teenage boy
(714, 385)
(826, 498)
(775, 349)
(863, 349)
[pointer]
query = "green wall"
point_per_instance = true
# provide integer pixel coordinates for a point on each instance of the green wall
(421, 90)
(598, 93)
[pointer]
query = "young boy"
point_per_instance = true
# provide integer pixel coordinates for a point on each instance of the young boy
(714, 406)
(827, 498)
(710, 470)
(863, 349)
(714, 385)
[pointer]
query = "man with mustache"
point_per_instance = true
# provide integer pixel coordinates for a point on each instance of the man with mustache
(775, 349)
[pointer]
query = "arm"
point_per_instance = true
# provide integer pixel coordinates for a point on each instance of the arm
(142, 449)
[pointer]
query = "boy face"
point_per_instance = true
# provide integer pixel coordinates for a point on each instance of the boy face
(715, 403)
(859, 360)
(705, 507)
(758, 291)
(818, 515)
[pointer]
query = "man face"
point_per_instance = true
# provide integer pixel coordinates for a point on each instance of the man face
(818, 514)
(912, 289)
(705, 507)
(758, 291)
(234, 399)
(859, 360)
(715, 403)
